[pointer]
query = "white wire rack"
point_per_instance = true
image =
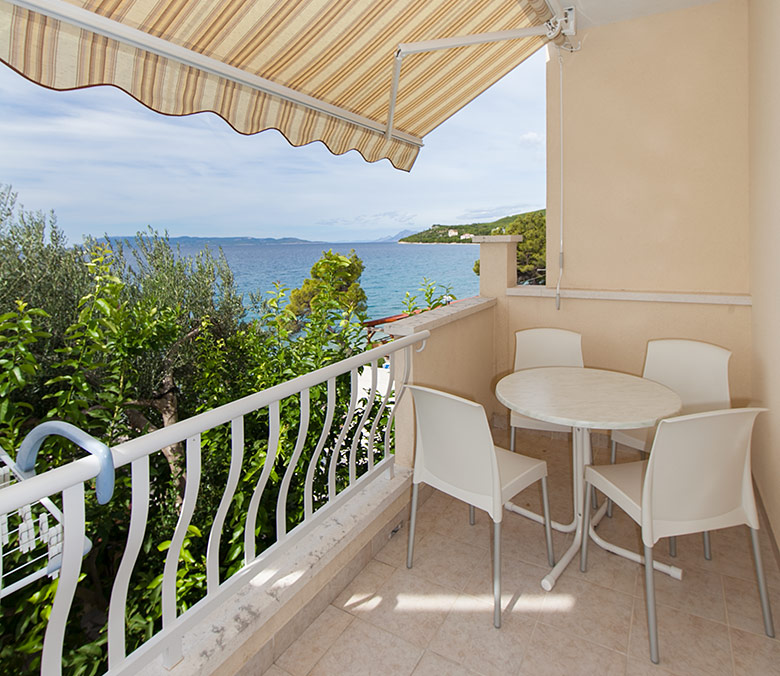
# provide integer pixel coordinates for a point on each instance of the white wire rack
(30, 537)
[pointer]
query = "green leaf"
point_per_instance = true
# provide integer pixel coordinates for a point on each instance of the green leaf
(103, 306)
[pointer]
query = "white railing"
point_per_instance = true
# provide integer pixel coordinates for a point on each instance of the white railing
(360, 439)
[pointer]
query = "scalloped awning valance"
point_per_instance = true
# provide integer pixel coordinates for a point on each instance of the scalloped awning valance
(316, 70)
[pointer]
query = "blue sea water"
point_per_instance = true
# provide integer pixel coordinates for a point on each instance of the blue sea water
(390, 269)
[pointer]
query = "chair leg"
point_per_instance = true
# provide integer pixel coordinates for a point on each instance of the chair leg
(547, 522)
(412, 524)
(612, 460)
(585, 530)
(512, 439)
(472, 515)
(652, 622)
(762, 591)
(673, 546)
(707, 547)
(497, 574)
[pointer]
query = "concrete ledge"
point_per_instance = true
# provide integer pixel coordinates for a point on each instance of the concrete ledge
(539, 291)
(440, 316)
(248, 632)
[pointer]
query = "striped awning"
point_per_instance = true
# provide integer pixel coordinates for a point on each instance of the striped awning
(316, 70)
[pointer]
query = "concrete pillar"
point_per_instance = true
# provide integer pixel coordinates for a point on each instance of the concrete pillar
(497, 264)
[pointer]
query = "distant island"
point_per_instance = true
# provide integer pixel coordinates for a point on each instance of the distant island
(189, 239)
(461, 234)
(246, 240)
(435, 234)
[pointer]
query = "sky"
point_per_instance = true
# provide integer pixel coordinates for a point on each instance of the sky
(105, 164)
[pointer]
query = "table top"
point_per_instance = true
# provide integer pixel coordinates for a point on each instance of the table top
(586, 397)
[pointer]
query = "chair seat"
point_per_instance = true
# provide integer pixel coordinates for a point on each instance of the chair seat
(517, 472)
(622, 483)
(633, 438)
(524, 422)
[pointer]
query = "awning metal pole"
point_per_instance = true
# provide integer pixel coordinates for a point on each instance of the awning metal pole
(563, 24)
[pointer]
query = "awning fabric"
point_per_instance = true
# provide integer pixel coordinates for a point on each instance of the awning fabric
(337, 55)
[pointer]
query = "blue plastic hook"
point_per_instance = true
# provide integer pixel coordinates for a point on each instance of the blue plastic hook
(28, 451)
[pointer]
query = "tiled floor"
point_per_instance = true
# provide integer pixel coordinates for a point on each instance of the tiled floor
(436, 619)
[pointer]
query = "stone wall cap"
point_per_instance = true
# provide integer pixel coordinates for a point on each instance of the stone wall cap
(497, 239)
(440, 316)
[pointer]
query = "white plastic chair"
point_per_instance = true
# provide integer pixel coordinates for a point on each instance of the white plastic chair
(456, 455)
(699, 373)
(535, 348)
(696, 479)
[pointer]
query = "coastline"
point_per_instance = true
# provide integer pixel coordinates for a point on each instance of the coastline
(438, 243)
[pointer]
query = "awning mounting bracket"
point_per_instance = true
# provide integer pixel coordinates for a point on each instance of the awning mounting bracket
(565, 24)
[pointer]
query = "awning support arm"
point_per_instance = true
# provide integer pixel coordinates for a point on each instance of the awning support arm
(114, 30)
(562, 25)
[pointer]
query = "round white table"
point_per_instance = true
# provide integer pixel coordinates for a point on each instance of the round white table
(586, 399)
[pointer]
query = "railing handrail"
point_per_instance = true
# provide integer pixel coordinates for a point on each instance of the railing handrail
(55, 480)
(133, 449)
(49, 483)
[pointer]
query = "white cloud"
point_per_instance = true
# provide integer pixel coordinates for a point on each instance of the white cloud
(104, 163)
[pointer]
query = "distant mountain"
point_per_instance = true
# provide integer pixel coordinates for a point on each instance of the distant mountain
(245, 240)
(396, 237)
(217, 240)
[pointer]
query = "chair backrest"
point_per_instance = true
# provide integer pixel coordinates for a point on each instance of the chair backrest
(697, 371)
(455, 451)
(535, 348)
(698, 475)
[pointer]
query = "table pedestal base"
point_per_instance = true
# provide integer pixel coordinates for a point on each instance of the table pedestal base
(672, 571)
(583, 455)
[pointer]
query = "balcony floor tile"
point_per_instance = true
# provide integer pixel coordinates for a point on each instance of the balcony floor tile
(437, 617)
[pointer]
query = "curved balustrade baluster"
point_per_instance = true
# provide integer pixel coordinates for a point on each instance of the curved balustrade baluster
(382, 407)
(72, 551)
(326, 428)
(281, 502)
(362, 424)
(334, 458)
(69, 479)
(234, 474)
(254, 503)
(173, 649)
(139, 512)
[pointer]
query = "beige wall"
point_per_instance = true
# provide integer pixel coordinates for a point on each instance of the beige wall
(656, 185)
(765, 241)
(615, 333)
(457, 358)
(671, 172)
(655, 154)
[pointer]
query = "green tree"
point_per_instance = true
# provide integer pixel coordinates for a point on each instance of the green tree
(434, 295)
(38, 267)
(532, 251)
(334, 283)
(144, 337)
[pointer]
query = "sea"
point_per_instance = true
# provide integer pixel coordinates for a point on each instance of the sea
(390, 269)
